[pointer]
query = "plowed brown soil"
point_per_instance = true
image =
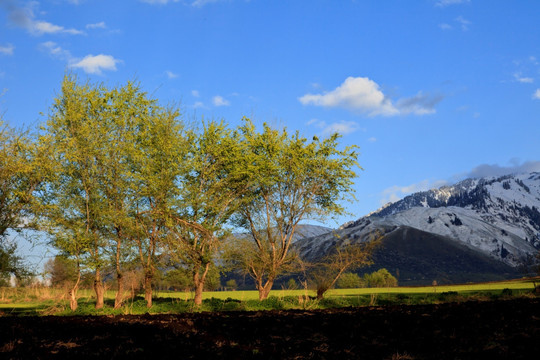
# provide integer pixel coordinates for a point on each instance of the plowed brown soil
(472, 330)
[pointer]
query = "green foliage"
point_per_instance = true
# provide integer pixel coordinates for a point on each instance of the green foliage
(380, 278)
(20, 173)
(10, 263)
(291, 284)
(350, 281)
(345, 256)
(231, 284)
(19, 177)
(62, 271)
(178, 280)
(291, 179)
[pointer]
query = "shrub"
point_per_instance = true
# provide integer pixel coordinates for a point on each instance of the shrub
(350, 281)
(380, 278)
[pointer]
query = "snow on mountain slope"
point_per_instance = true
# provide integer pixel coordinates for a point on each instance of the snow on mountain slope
(497, 216)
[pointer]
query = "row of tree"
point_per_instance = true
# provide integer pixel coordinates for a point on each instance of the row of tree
(114, 177)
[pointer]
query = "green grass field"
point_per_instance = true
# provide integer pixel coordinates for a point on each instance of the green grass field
(46, 301)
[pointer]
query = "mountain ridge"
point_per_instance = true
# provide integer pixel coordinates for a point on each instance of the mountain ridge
(496, 218)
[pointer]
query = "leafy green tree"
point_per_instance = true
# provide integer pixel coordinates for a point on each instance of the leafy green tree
(350, 281)
(345, 256)
(72, 202)
(127, 110)
(160, 147)
(20, 175)
(231, 284)
(10, 264)
(380, 278)
(291, 179)
(209, 194)
(62, 271)
(178, 279)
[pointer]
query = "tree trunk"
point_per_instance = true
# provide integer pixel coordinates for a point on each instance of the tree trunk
(120, 292)
(264, 291)
(148, 289)
(73, 292)
(98, 288)
(73, 298)
(320, 293)
(198, 281)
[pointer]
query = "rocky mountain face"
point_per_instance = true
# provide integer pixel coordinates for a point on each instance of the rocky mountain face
(478, 229)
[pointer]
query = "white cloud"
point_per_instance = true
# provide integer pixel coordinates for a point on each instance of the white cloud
(24, 17)
(195, 93)
(7, 50)
(43, 27)
(90, 64)
(536, 94)
(358, 94)
(463, 22)
(198, 104)
(363, 95)
(99, 25)
(372, 139)
(397, 192)
(220, 101)
(171, 75)
(96, 64)
(444, 3)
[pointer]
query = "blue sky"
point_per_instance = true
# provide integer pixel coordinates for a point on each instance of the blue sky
(432, 91)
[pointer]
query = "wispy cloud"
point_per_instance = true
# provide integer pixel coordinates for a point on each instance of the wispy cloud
(445, 26)
(171, 75)
(420, 104)
(158, 2)
(91, 64)
(220, 101)
(56, 51)
(445, 3)
(536, 94)
(523, 79)
(200, 3)
(360, 94)
(195, 93)
(24, 17)
(341, 127)
(398, 192)
(464, 23)
(486, 170)
(99, 25)
(7, 49)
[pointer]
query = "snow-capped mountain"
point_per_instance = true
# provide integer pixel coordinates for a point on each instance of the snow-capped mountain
(496, 218)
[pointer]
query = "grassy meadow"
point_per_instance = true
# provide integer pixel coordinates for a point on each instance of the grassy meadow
(47, 301)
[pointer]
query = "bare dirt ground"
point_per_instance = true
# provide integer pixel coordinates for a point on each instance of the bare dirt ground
(472, 330)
